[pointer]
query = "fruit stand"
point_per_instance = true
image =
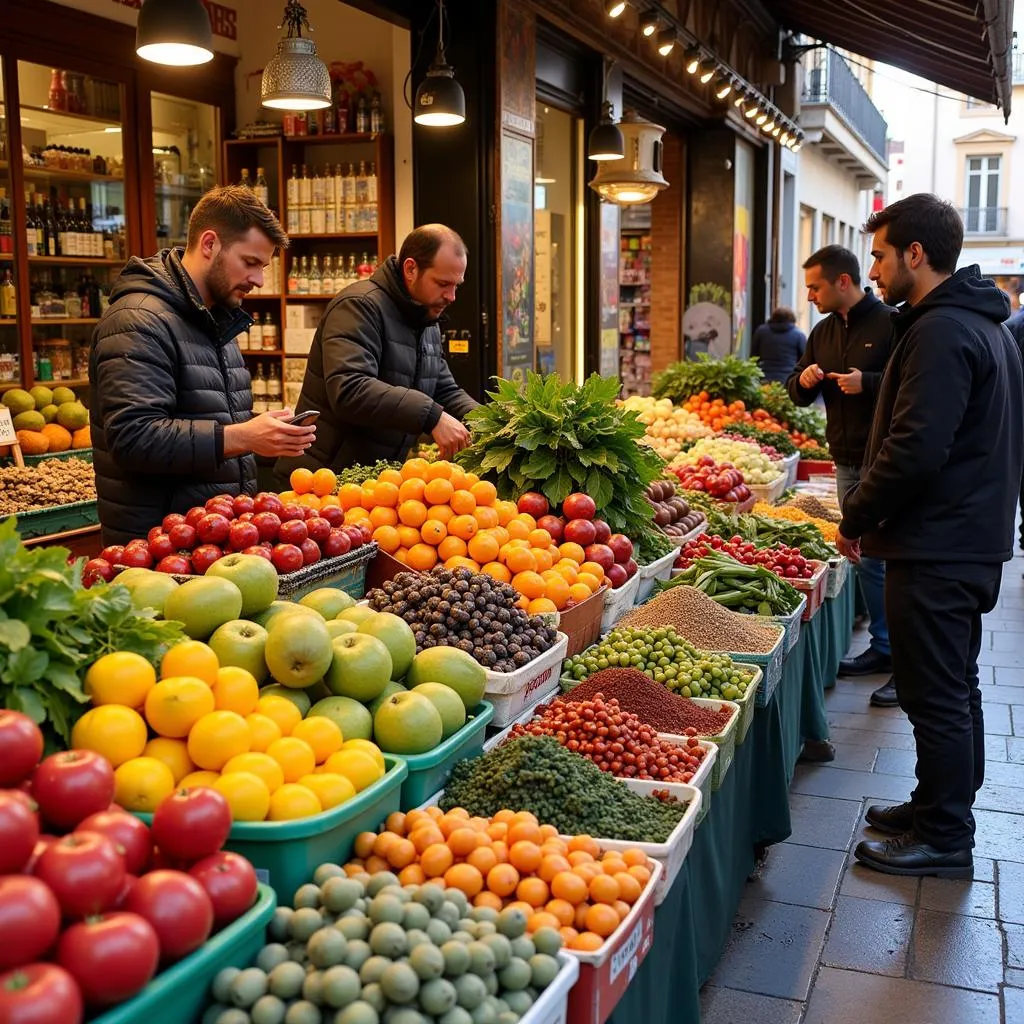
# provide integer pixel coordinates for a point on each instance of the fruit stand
(500, 738)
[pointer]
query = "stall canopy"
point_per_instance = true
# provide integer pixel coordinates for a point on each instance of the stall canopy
(962, 44)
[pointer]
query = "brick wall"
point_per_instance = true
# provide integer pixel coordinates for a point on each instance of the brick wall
(668, 253)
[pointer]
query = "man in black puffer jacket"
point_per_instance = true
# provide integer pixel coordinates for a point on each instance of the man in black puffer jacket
(376, 371)
(171, 409)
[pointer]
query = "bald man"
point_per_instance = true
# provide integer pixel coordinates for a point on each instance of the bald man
(377, 371)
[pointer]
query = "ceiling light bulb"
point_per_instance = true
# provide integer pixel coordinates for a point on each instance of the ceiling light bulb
(707, 71)
(613, 8)
(722, 87)
(174, 32)
(606, 141)
(649, 25)
(666, 41)
(776, 130)
(753, 110)
(769, 126)
(784, 140)
(692, 58)
(762, 116)
(741, 98)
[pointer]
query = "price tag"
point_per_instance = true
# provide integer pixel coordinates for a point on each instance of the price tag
(8, 435)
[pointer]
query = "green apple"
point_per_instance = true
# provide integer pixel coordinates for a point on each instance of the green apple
(389, 691)
(360, 668)
(268, 615)
(203, 604)
(407, 723)
(318, 691)
(328, 601)
(132, 577)
(357, 614)
(299, 698)
(152, 591)
(254, 576)
(298, 650)
(455, 668)
(396, 635)
(448, 703)
(339, 627)
(348, 715)
(241, 643)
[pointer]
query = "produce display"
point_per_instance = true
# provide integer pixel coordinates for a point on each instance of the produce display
(617, 741)
(813, 452)
(764, 448)
(48, 420)
(792, 514)
(765, 432)
(732, 584)
(469, 611)
(672, 512)
(668, 426)
(817, 507)
(359, 474)
(538, 774)
(668, 658)
(704, 622)
(783, 561)
(768, 530)
(51, 482)
(721, 481)
(729, 380)
(756, 467)
(806, 425)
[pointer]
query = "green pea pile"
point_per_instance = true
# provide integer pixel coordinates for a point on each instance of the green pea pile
(668, 659)
(537, 774)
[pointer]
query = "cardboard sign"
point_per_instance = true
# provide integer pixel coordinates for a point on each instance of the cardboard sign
(8, 435)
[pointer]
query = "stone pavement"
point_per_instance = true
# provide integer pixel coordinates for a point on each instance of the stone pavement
(819, 939)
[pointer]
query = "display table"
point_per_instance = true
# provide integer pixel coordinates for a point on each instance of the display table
(751, 809)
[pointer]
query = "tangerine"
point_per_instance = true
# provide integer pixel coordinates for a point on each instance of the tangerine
(604, 889)
(594, 569)
(414, 469)
(572, 551)
(534, 892)
(630, 888)
(463, 503)
(436, 859)
(524, 856)
(464, 526)
(412, 490)
(465, 878)
(438, 491)
(497, 571)
(524, 829)
(175, 704)
(483, 858)
(442, 513)
(520, 560)
(236, 690)
(484, 492)
(413, 874)
(601, 919)
(551, 865)
(301, 480)
(541, 606)
(408, 535)
(462, 841)
(590, 581)
(486, 517)
(263, 730)
(483, 548)
(485, 898)
(218, 737)
(439, 470)
(568, 886)
(502, 879)
(325, 482)
(586, 942)
(507, 511)
(383, 515)
(190, 658)
(579, 592)
(422, 557)
(350, 496)
(562, 910)
(295, 757)
(434, 532)
(412, 513)
(385, 494)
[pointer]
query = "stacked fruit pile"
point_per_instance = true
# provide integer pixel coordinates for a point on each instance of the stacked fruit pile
(668, 426)
(746, 456)
(48, 421)
(782, 560)
(672, 512)
(722, 481)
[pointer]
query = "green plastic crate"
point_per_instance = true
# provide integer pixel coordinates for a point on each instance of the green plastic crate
(429, 772)
(748, 702)
(182, 992)
(59, 519)
(85, 454)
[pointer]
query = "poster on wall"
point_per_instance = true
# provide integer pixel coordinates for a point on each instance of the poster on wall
(517, 255)
(609, 362)
(518, 81)
(742, 220)
(707, 322)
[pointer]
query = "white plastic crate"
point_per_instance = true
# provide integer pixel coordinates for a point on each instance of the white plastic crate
(838, 573)
(512, 693)
(791, 623)
(791, 462)
(660, 569)
(552, 1005)
(769, 492)
(618, 602)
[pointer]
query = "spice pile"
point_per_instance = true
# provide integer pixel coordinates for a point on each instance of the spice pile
(638, 694)
(795, 515)
(615, 740)
(704, 623)
(817, 508)
(537, 774)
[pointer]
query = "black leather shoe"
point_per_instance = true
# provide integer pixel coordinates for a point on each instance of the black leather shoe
(908, 855)
(817, 752)
(867, 663)
(885, 696)
(895, 820)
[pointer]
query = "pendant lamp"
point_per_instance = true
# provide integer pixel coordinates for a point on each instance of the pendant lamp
(440, 101)
(605, 141)
(174, 32)
(637, 177)
(295, 78)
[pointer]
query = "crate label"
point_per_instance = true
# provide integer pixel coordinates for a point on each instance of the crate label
(625, 956)
(8, 435)
(537, 682)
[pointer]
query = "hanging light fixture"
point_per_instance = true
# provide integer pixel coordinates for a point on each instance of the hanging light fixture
(784, 140)
(753, 110)
(722, 87)
(666, 41)
(636, 178)
(707, 71)
(769, 126)
(440, 101)
(606, 141)
(762, 116)
(692, 59)
(174, 32)
(295, 78)
(648, 25)
(613, 8)
(741, 98)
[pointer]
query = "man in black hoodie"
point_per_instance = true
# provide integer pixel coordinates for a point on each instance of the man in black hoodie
(937, 500)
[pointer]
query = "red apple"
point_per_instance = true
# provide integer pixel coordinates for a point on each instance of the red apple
(267, 502)
(204, 556)
(579, 506)
(287, 558)
(318, 528)
(310, 551)
(338, 543)
(580, 531)
(180, 565)
(333, 514)
(365, 532)
(602, 554)
(223, 509)
(213, 528)
(137, 557)
(258, 549)
(154, 531)
(604, 531)
(161, 546)
(292, 512)
(193, 515)
(631, 569)
(553, 525)
(616, 575)
(621, 546)
(354, 534)
(243, 535)
(246, 517)
(183, 536)
(97, 569)
(241, 504)
(113, 553)
(533, 504)
(171, 520)
(268, 523)
(293, 531)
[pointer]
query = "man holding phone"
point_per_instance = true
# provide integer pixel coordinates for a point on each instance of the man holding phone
(171, 405)
(843, 363)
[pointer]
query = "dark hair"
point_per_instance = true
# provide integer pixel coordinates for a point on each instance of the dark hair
(834, 260)
(423, 243)
(928, 220)
(233, 211)
(782, 315)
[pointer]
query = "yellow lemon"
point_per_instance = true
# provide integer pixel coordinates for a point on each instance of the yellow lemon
(356, 765)
(263, 731)
(236, 690)
(142, 784)
(247, 795)
(216, 738)
(331, 789)
(198, 778)
(294, 756)
(293, 801)
(113, 731)
(322, 734)
(120, 678)
(281, 710)
(369, 747)
(173, 753)
(261, 765)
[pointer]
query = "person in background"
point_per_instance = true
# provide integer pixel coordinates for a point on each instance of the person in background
(171, 406)
(778, 344)
(377, 371)
(1016, 327)
(843, 363)
(937, 500)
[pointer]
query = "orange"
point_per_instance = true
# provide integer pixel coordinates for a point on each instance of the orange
(173, 753)
(322, 734)
(350, 496)
(442, 513)
(434, 532)
(422, 557)
(458, 479)
(142, 784)
(612, 864)
(464, 526)
(383, 515)
(363, 845)
(543, 559)
(590, 581)
(524, 856)
(359, 766)
(330, 788)
(174, 705)
(569, 935)
(247, 795)
(301, 481)
(572, 551)
(502, 879)
(385, 494)
(401, 555)
(556, 590)
(412, 513)
(366, 498)
(629, 888)
(529, 584)
(527, 520)
(387, 538)
(356, 515)
(375, 865)
(586, 843)
(520, 560)
(197, 778)
(439, 470)
(485, 492)
(309, 501)
(517, 529)
(218, 737)
(261, 765)
(288, 497)
(292, 801)
(552, 865)
(497, 571)
(604, 889)
(634, 856)
(190, 658)
(113, 731)
(436, 859)
(121, 677)
(541, 606)
(486, 899)
(463, 503)
(401, 854)
(483, 858)
(411, 490)
(533, 891)
(594, 569)
(602, 920)
(415, 469)
(263, 731)
(408, 535)
(437, 491)
(236, 690)
(539, 539)
(424, 836)
(452, 547)
(507, 511)
(587, 942)
(640, 873)
(465, 878)
(295, 757)
(542, 919)
(462, 841)
(562, 910)
(486, 517)
(330, 501)
(568, 886)
(484, 548)
(413, 874)
(283, 712)
(579, 592)
(391, 476)
(324, 482)
(524, 831)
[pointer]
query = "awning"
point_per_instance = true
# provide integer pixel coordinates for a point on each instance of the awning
(962, 44)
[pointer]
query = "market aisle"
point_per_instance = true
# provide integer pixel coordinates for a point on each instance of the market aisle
(818, 939)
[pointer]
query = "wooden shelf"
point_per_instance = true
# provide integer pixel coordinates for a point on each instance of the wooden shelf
(54, 117)
(7, 257)
(336, 236)
(264, 295)
(295, 355)
(81, 382)
(309, 298)
(73, 261)
(350, 138)
(10, 385)
(64, 321)
(254, 354)
(56, 174)
(262, 140)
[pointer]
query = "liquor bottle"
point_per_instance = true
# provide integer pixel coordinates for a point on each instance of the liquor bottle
(65, 233)
(275, 286)
(316, 189)
(371, 184)
(293, 276)
(6, 239)
(330, 214)
(315, 277)
(348, 187)
(361, 184)
(341, 112)
(259, 391)
(50, 229)
(318, 212)
(293, 188)
(304, 276)
(305, 220)
(376, 115)
(256, 335)
(245, 182)
(362, 116)
(243, 341)
(275, 388)
(58, 97)
(305, 188)
(261, 188)
(93, 239)
(327, 277)
(30, 227)
(365, 268)
(8, 297)
(351, 272)
(271, 341)
(42, 246)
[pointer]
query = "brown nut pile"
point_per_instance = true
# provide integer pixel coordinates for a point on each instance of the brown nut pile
(51, 482)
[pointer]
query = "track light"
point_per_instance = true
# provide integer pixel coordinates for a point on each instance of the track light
(753, 110)
(762, 116)
(769, 126)
(649, 24)
(741, 98)
(666, 41)
(797, 145)
(707, 71)
(613, 8)
(692, 58)
(776, 130)
(722, 87)
(784, 140)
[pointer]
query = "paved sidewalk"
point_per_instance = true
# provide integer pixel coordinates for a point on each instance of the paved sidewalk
(819, 939)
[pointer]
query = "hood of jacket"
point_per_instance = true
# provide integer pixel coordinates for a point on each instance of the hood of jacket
(165, 277)
(389, 277)
(781, 326)
(966, 289)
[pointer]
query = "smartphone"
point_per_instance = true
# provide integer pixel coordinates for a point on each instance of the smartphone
(305, 419)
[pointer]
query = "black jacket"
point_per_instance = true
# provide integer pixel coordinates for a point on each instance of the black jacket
(778, 346)
(1016, 326)
(861, 341)
(943, 466)
(377, 374)
(167, 376)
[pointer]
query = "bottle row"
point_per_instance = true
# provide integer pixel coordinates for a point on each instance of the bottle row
(267, 388)
(81, 94)
(339, 201)
(74, 158)
(307, 276)
(81, 299)
(69, 228)
(346, 115)
(263, 336)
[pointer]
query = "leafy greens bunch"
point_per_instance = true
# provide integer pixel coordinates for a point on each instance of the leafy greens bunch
(731, 379)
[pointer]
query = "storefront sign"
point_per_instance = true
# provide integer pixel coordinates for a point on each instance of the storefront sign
(223, 20)
(516, 255)
(994, 259)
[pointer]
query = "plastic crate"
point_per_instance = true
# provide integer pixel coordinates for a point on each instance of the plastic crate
(791, 462)
(838, 574)
(750, 700)
(725, 740)
(791, 623)
(513, 693)
(582, 623)
(814, 467)
(769, 492)
(618, 602)
(182, 991)
(58, 519)
(85, 454)
(659, 569)
(702, 776)
(813, 589)
(552, 1005)
(770, 662)
(429, 772)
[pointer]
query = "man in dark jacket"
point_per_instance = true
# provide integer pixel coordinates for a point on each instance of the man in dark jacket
(377, 371)
(846, 354)
(1015, 326)
(172, 421)
(937, 501)
(778, 344)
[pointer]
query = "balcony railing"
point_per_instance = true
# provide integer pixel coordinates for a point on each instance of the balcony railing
(830, 80)
(1018, 68)
(984, 220)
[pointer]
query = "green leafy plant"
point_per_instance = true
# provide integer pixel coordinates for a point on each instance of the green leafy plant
(731, 379)
(52, 629)
(559, 438)
(359, 474)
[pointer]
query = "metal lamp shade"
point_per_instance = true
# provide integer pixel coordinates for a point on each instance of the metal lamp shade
(605, 142)
(295, 78)
(637, 177)
(174, 32)
(440, 101)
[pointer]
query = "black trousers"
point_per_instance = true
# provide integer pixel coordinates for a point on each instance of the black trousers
(934, 613)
